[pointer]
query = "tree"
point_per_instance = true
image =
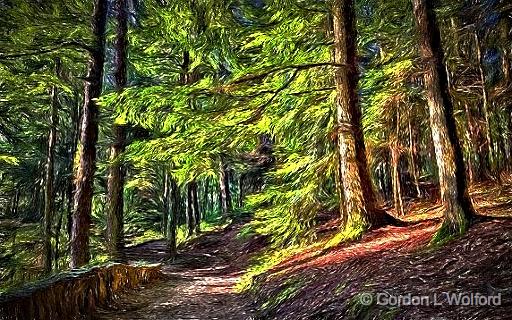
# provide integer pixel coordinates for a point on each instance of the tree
(49, 190)
(360, 211)
(225, 193)
(116, 175)
(458, 209)
(80, 254)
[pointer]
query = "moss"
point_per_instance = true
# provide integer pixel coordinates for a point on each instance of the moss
(448, 232)
(290, 289)
(262, 263)
(357, 309)
(353, 231)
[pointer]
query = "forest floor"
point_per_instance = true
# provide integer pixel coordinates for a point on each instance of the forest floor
(335, 283)
(199, 283)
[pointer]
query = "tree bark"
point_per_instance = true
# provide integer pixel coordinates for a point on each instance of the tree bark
(225, 194)
(195, 206)
(413, 156)
(470, 136)
(172, 221)
(241, 189)
(395, 162)
(458, 209)
(49, 192)
(485, 105)
(359, 198)
(116, 176)
(190, 210)
(206, 196)
(75, 135)
(80, 254)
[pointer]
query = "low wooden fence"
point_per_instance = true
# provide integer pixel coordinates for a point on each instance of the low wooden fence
(76, 294)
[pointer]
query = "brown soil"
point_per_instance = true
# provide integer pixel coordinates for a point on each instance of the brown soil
(397, 262)
(199, 285)
(323, 285)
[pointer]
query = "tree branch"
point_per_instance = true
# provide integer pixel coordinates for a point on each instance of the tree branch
(66, 44)
(256, 77)
(257, 114)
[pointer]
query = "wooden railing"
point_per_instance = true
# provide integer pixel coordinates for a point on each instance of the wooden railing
(74, 295)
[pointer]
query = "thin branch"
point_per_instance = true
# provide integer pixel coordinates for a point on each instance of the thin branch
(257, 114)
(67, 44)
(256, 77)
(298, 93)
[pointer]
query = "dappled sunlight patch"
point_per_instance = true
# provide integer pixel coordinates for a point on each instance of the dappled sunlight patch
(385, 239)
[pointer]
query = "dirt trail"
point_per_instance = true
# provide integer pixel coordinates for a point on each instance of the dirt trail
(200, 283)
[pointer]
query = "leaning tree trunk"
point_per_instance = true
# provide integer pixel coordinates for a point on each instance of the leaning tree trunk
(116, 175)
(358, 194)
(49, 192)
(80, 254)
(458, 209)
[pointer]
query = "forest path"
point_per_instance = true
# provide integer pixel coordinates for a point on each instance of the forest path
(199, 285)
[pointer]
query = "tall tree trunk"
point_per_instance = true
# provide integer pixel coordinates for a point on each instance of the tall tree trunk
(485, 103)
(458, 209)
(473, 150)
(166, 198)
(395, 163)
(116, 176)
(359, 198)
(195, 206)
(172, 221)
(507, 80)
(413, 151)
(56, 256)
(80, 254)
(49, 192)
(225, 194)
(190, 210)
(15, 203)
(241, 189)
(206, 206)
(75, 135)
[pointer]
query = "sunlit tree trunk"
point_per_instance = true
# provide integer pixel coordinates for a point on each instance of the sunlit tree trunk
(73, 146)
(395, 163)
(80, 254)
(473, 150)
(359, 198)
(166, 198)
(49, 192)
(116, 177)
(458, 209)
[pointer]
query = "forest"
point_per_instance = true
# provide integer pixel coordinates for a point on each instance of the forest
(255, 159)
